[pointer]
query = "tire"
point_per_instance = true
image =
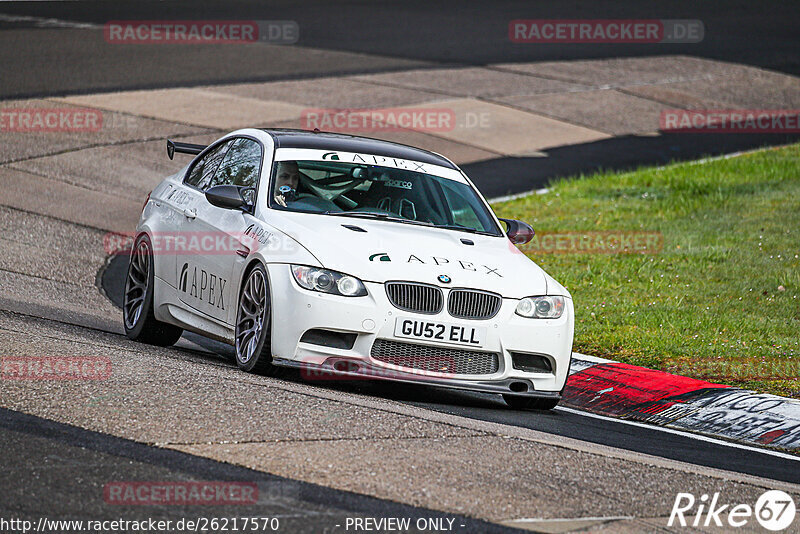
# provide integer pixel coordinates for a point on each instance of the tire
(137, 305)
(254, 325)
(530, 403)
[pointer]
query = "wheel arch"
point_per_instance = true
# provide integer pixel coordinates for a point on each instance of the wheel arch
(246, 271)
(251, 264)
(142, 231)
(146, 231)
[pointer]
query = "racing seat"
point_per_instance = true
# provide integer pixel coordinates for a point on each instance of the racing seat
(413, 204)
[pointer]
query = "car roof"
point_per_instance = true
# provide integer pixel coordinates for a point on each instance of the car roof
(289, 138)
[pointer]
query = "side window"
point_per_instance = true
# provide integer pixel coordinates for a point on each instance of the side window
(203, 171)
(241, 164)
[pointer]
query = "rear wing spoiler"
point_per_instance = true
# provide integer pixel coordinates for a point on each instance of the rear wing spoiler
(183, 148)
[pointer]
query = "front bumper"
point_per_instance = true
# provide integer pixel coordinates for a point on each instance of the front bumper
(354, 369)
(369, 318)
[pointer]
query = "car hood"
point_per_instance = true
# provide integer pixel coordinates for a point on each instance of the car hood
(379, 251)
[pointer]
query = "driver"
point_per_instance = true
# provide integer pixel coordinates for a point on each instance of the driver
(287, 174)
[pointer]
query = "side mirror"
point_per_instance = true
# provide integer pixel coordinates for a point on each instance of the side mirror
(518, 232)
(230, 197)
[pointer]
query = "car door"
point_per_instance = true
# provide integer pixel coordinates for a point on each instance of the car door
(189, 230)
(179, 205)
(205, 272)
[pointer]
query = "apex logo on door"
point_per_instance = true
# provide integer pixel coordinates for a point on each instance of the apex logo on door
(202, 285)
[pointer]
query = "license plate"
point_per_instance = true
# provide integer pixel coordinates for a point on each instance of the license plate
(474, 336)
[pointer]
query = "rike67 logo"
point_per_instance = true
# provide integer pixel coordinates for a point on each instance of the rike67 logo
(774, 510)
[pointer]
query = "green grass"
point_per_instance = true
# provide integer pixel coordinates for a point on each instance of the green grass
(720, 301)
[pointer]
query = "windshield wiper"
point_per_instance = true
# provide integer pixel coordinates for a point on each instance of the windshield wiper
(458, 227)
(376, 215)
(468, 229)
(386, 217)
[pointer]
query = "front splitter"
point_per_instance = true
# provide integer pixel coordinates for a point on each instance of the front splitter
(344, 368)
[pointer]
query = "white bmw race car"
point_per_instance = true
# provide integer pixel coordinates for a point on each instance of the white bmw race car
(348, 257)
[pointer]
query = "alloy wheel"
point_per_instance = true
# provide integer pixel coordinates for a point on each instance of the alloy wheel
(136, 284)
(252, 316)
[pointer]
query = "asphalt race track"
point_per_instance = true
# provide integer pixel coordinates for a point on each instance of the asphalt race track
(35, 446)
(358, 37)
(350, 39)
(323, 453)
(562, 422)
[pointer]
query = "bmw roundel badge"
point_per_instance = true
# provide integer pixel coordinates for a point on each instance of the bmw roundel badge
(443, 278)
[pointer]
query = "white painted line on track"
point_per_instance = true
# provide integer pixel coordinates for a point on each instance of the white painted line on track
(545, 190)
(518, 195)
(569, 519)
(690, 435)
(724, 156)
(593, 359)
(42, 22)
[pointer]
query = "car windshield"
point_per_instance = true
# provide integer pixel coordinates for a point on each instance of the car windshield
(372, 191)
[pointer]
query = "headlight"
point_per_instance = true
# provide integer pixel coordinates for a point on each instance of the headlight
(541, 307)
(327, 281)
